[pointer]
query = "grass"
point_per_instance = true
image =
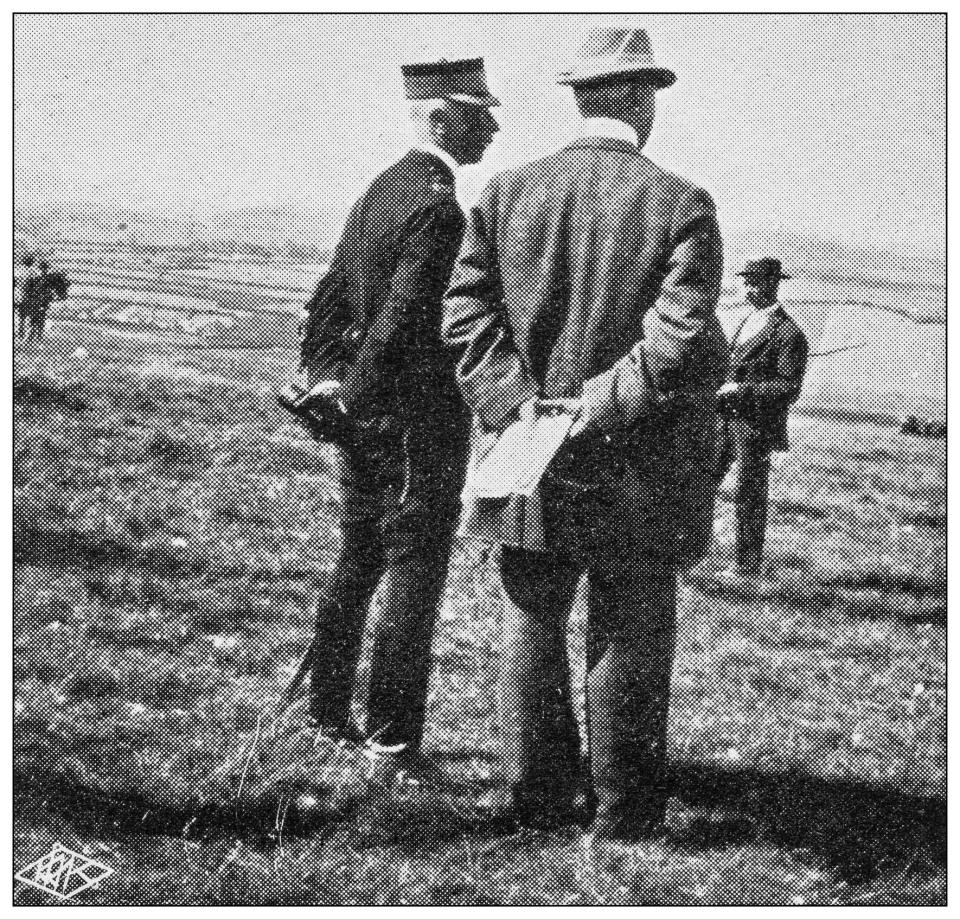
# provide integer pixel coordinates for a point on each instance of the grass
(169, 528)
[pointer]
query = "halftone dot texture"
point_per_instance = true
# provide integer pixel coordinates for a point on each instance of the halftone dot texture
(174, 530)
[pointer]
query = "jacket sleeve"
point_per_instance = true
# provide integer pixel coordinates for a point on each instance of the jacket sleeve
(673, 328)
(328, 315)
(428, 248)
(782, 389)
(491, 372)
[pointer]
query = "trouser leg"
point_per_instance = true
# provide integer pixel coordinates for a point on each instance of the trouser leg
(342, 606)
(752, 495)
(418, 532)
(541, 739)
(628, 694)
(410, 595)
(725, 452)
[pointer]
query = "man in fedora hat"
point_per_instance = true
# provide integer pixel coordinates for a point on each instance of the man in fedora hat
(372, 348)
(587, 282)
(767, 364)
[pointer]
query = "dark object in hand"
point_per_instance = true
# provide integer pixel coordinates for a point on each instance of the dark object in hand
(728, 403)
(320, 414)
(326, 420)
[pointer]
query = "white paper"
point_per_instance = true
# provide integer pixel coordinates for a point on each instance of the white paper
(516, 463)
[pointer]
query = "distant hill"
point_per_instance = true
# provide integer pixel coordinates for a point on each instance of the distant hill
(312, 234)
(270, 228)
(832, 262)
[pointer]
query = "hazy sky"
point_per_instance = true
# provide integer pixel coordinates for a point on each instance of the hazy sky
(832, 126)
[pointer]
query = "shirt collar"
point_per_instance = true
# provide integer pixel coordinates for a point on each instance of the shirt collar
(607, 127)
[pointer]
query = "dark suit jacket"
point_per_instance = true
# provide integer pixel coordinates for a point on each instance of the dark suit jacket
(770, 368)
(374, 319)
(37, 292)
(594, 271)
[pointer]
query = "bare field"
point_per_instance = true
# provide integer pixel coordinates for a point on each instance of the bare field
(169, 525)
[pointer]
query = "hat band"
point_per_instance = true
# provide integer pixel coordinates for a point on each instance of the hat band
(622, 60)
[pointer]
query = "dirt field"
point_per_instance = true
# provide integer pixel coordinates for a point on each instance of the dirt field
(169, 525)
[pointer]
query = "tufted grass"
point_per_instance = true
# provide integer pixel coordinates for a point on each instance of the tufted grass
(169, 528)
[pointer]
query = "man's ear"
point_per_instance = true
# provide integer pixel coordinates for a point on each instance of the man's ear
(438, 124)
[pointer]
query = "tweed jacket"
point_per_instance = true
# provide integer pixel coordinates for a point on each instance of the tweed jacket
(769, 368)
(374, 319)
(594, 272)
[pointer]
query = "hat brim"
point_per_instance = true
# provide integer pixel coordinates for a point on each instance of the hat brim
(481, 101)
(763, 274)
(660, 77)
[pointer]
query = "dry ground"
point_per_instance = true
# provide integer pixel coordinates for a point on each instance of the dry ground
(169, 525)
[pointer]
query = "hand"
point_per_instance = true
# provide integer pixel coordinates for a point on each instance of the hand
(728, 389)
(582, 420)
(576, 407)
(528, 411)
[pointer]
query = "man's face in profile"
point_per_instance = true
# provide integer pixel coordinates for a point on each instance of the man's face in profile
(467, 132)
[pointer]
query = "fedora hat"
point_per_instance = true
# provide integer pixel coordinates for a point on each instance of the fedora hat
(615, 53)
(463, 81)
(764, 268)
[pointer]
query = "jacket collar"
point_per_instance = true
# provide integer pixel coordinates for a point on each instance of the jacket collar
(604, 143)
(438, 159)
(743, 351)
(608, 127)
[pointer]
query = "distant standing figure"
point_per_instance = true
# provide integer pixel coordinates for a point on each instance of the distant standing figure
(767, 366)
(38, 289)
(27, 291)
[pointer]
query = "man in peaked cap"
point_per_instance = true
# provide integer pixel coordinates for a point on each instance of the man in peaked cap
(588, 282)
(767, 366)
(372, 346)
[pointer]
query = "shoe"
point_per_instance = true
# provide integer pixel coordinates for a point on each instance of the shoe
(729, 577)
(546, 816)
(628, 831)
(337, 731)
(630, 820)
(745, 583)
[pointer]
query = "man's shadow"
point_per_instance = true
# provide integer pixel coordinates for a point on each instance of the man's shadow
(861, 830)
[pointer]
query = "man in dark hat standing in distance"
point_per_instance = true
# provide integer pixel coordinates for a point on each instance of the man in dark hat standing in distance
(372, 345)
(29, 285)
(588, 282)
(39, 287)
(767, 366)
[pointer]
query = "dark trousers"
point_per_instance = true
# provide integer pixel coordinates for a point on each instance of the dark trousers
(399, 514)
(630, 647)
(751, 490)
(37, 321)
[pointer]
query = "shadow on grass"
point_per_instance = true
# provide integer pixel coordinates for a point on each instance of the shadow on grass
(47, 394)
(863, 831)
(47, 547)
(870, 594)
(59, 795)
